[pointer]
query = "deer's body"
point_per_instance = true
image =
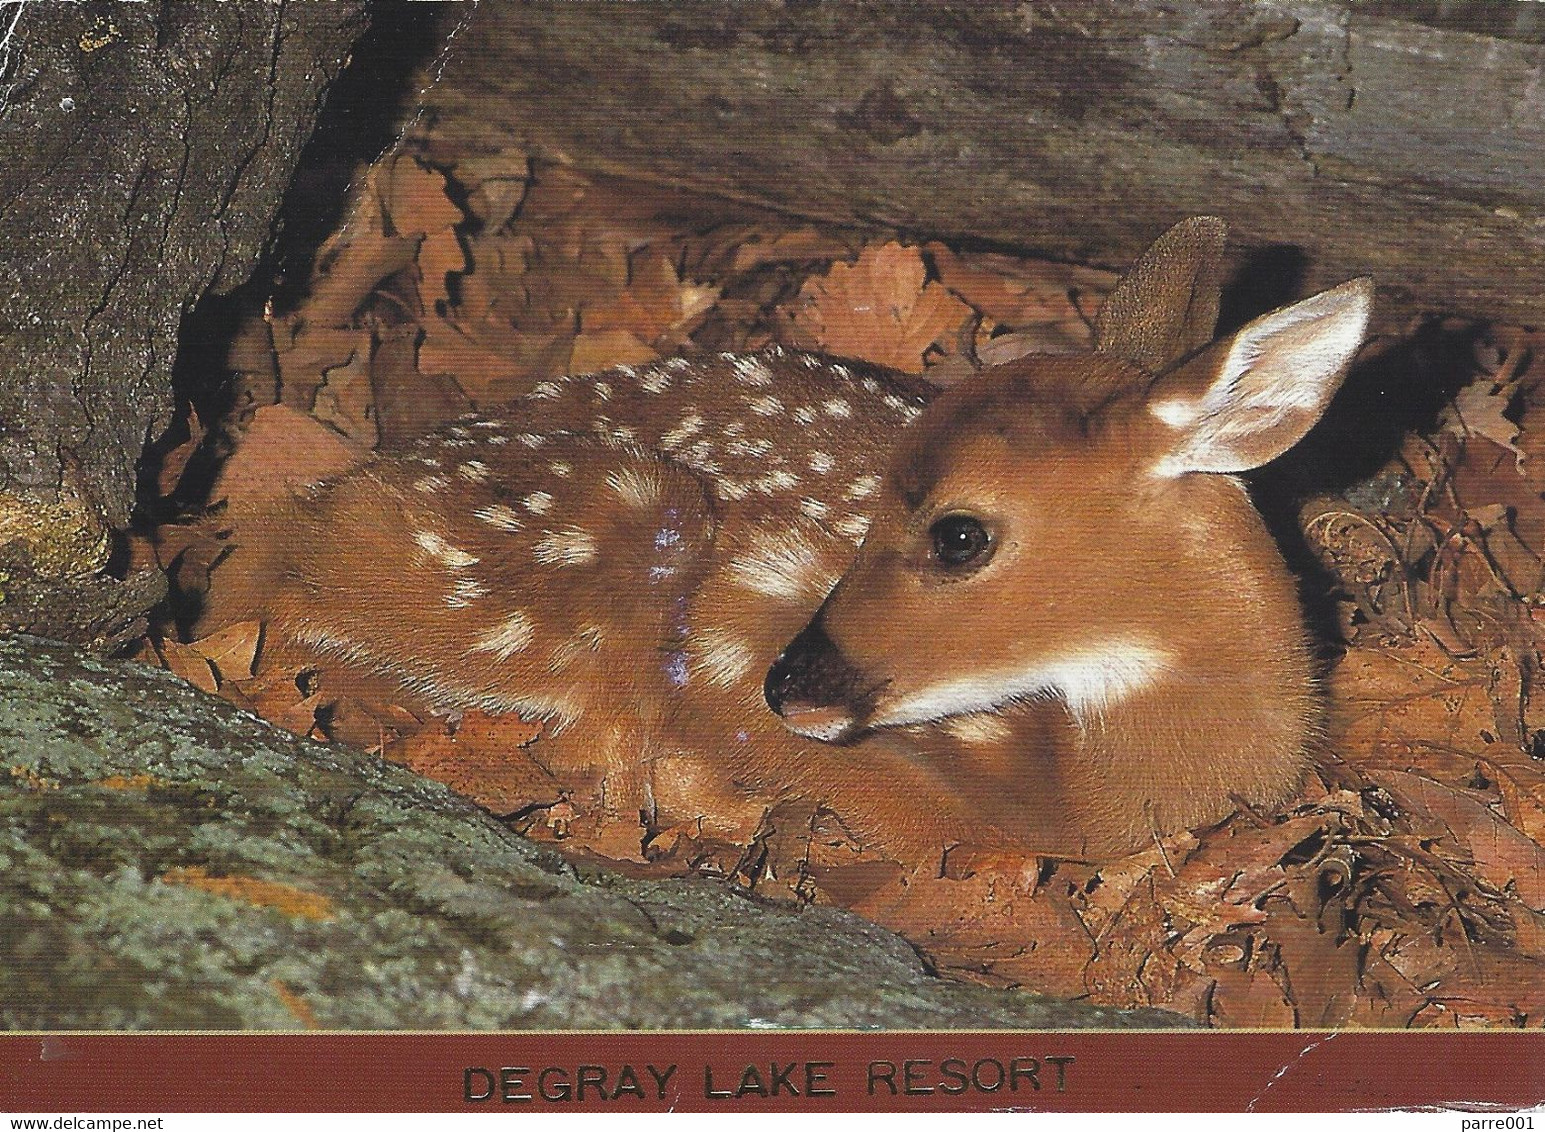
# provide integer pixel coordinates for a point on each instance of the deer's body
(646, 558)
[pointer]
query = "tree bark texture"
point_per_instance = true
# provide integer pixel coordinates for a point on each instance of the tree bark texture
(143, 153)
(1345, 136)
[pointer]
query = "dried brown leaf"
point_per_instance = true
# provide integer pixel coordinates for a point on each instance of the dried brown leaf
(175, 461)
(1021, 292)
(797, 246)
(346, 399)
(481, 761)
(475, 369)
(880, 308)
(233, 651)
(282, 451)
(1405, 698)
(306, 353)
(415, 200)
(188, 663)
(440, 256)
(1480, 409)
(1502, 855)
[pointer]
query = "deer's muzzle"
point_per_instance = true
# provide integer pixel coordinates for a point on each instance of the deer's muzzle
(815, 689)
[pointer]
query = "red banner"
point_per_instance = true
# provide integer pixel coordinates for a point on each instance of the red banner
(785, 1071)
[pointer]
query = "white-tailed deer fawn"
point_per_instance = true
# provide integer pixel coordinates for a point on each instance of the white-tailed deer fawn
(1035, 611)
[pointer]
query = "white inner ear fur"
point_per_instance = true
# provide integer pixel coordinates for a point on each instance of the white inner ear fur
(1275, 379)
(1090, 681)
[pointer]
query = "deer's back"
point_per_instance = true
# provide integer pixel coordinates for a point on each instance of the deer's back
(607, 541)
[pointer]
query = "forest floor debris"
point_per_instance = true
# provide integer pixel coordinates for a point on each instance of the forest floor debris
(1406, 888)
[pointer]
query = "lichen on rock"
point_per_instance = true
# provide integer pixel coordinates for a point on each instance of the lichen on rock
(167, 861)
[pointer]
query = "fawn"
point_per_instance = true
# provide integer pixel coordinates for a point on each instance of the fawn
(1036, 611)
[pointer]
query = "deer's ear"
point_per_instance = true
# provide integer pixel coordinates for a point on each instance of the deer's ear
(1255, 394)
(1166, 307)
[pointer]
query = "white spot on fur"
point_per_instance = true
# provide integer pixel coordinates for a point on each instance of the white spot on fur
(814, 508)
(499, 515)
(487, 424)
(688, 427)
(458, 432)
(546, 391)
(430, 484)
(821, 462)
(436, 547)
(512, 634)
(428, 461)
(497, 440)
(804, 415)
(465, 592)
(734, 428)
(538, 503)
(768, 406)
(635, 486)
(783, 563)
(731, 490)
(1177, 413)
(854, 527)
(863, 487)
(531, 439)
(759, 447)
(775, 481)
(473, 471)
(561, 468)
(603, 391)
(569, 546)
(837, 408)
(722, 657)
(870, 385)
(677, 363)
(752, 372)
(655, 380)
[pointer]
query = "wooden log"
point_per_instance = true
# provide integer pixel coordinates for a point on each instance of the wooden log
(1345, 136)
(146, 149)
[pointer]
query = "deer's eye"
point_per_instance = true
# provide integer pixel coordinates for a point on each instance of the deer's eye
(960, 540)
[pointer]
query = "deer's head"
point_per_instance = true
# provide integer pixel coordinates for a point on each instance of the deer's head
(1058, 527)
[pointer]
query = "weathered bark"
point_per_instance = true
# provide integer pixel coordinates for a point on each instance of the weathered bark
(169, 862)
(145, 150)
(1366, 141)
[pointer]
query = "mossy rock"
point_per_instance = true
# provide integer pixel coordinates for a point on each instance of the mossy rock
(167, 861)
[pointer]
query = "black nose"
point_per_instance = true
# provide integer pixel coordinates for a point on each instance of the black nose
(810, 672)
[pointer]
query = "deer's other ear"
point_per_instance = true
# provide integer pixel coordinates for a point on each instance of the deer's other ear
(1166, 307)
(1254, 395)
